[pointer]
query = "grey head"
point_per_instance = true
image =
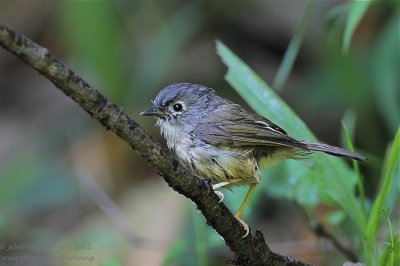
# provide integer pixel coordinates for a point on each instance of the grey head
(182, 105)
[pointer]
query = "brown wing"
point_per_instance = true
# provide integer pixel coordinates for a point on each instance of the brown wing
(232, 125)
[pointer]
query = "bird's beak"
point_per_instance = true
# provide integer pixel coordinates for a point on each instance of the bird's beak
(153, 111)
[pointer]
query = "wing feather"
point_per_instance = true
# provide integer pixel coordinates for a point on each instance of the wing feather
(230, 125)
(236, 127)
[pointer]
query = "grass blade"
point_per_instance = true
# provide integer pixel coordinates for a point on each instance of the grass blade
(293, 48)
(356, 167)
(391, 158)
(391, 254)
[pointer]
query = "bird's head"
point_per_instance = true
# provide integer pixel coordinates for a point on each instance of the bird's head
(180, 105)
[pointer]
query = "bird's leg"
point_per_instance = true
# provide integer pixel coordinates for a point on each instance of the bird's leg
(220, 185)
(241, 209)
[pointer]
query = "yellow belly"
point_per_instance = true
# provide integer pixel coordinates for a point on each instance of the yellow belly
(221, 165)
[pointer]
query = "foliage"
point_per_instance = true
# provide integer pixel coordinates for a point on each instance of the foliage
(332, 172)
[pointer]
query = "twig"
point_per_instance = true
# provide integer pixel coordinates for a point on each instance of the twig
(251, 250)
(320, 230)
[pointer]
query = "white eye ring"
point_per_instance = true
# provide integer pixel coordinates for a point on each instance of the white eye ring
(177, 107)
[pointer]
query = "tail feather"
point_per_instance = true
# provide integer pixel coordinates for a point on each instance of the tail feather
(332, 150)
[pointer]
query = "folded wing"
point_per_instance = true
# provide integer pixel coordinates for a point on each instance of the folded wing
(236, 127)
(233, 126)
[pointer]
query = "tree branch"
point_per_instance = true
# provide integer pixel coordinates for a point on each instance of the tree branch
(251, 250)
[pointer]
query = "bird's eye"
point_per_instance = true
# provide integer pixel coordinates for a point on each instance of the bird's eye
(177, 107)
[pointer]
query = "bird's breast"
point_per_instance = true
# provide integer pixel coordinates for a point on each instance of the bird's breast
(176, 139)
(208, 161)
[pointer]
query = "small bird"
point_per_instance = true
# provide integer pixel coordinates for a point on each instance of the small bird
(217, 139)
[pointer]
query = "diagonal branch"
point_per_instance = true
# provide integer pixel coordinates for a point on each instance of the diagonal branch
(251, 250)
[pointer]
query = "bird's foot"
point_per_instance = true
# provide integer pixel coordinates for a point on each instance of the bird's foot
(220, 195)
(245, 226)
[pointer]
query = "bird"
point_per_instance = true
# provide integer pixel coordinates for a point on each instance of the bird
(216, 139)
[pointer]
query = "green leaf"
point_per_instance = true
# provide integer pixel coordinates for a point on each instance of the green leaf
(357, 10)
(391, 158)
(360, 182)
(349, 118)
(391, 255)
(329, 176)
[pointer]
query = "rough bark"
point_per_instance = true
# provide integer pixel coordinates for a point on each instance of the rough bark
(251, 250)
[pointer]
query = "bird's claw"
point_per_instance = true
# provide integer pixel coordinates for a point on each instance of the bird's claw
(220, 196)
(245, 226)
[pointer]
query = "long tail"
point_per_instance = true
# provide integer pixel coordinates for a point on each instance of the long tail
(332, 150)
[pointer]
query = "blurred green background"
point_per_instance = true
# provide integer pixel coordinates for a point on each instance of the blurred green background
(71, 193)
